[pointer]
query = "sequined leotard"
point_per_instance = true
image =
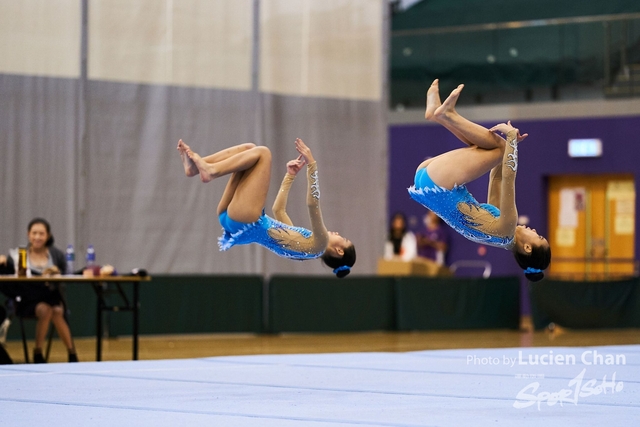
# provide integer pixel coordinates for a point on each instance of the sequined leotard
(280, 235)
(476, 221)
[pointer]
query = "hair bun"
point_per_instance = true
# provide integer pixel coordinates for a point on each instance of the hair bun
(534, 277)
(342, 271)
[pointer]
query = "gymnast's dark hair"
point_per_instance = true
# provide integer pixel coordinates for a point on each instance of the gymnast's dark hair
(535, 262)
(44, 222)
(341, 266)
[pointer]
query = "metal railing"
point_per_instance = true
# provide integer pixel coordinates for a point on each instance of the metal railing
(516, 24)
(520, 61)
(485, 265)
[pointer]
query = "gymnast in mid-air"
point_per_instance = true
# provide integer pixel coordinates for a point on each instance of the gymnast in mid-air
(241, 208)
(439, 185)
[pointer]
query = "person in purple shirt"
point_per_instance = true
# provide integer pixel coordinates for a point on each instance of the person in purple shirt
(434, 240)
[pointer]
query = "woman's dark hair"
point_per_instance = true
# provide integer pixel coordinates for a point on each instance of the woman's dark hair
(396, 237)
(341, 265)
(538, 260)
(47, 227)
(438, 220)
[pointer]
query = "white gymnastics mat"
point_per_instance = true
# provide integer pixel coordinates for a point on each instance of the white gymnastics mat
(543, 386)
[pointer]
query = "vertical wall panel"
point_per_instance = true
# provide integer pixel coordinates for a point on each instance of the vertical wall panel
(40, 37)
(204, 43)
(38, 119)
(331, 48)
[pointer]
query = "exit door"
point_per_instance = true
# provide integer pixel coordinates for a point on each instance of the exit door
(592, 226)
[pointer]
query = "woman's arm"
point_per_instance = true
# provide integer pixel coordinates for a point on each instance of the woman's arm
(495, 186)
(508, 210)
(321, 236)
(59, 260)
(313, 204)
(280, 204)
(7, 267)
(439, 245)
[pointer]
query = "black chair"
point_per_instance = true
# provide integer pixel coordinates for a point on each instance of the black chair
(11, 305)
(5, 359)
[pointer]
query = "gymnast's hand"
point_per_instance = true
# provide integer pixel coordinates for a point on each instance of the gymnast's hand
(294, 166)
(304, 151)
(505, 128)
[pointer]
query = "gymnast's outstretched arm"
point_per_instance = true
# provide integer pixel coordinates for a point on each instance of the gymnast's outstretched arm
(495, 186)
(280, 204)
(508, 210)
(320, 233)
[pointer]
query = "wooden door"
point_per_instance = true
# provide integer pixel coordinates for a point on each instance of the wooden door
(592, 226)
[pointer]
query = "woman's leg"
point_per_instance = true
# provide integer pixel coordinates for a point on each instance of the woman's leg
(465, 130)
(190, 168)
(44, 313)
(229, 191)
(461, 166)
(485, 150)
(62, 327)
(246, 192)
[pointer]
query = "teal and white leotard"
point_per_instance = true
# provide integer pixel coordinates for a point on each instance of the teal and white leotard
(278, 234)
(267, 232)
(446, 204)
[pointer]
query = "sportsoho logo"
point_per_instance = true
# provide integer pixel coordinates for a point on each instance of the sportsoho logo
(576, 389)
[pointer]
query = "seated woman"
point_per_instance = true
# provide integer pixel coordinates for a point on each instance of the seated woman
(401, 243)
(439, 185)
(42, 300)
(241, 208)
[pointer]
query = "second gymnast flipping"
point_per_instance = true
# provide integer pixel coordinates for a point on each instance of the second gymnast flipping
(241, 208)
(439, 185)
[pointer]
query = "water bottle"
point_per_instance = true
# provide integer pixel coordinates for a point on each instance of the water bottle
(71, 257)
(91, 256)
(22, 267)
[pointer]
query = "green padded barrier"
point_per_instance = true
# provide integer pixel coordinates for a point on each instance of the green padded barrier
(431, 303)
(169, 304)
(327, 304)
(588, 305)
(192, 304)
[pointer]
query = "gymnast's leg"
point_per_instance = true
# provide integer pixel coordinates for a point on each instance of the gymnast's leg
(190, 168)
(246, 192)
(465, 130)
(461, 166)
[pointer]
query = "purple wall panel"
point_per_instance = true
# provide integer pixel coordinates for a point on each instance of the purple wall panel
(542, 154)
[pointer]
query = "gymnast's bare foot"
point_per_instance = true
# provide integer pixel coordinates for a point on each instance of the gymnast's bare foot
(433, 100)
(190, 168)
(203, 167)
(448, 107)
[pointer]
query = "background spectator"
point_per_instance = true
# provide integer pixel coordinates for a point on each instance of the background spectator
(42, 301)
(401, 242)
(434, 240)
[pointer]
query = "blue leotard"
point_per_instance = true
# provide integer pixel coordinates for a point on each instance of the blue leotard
(239, 233)
(444, 203)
